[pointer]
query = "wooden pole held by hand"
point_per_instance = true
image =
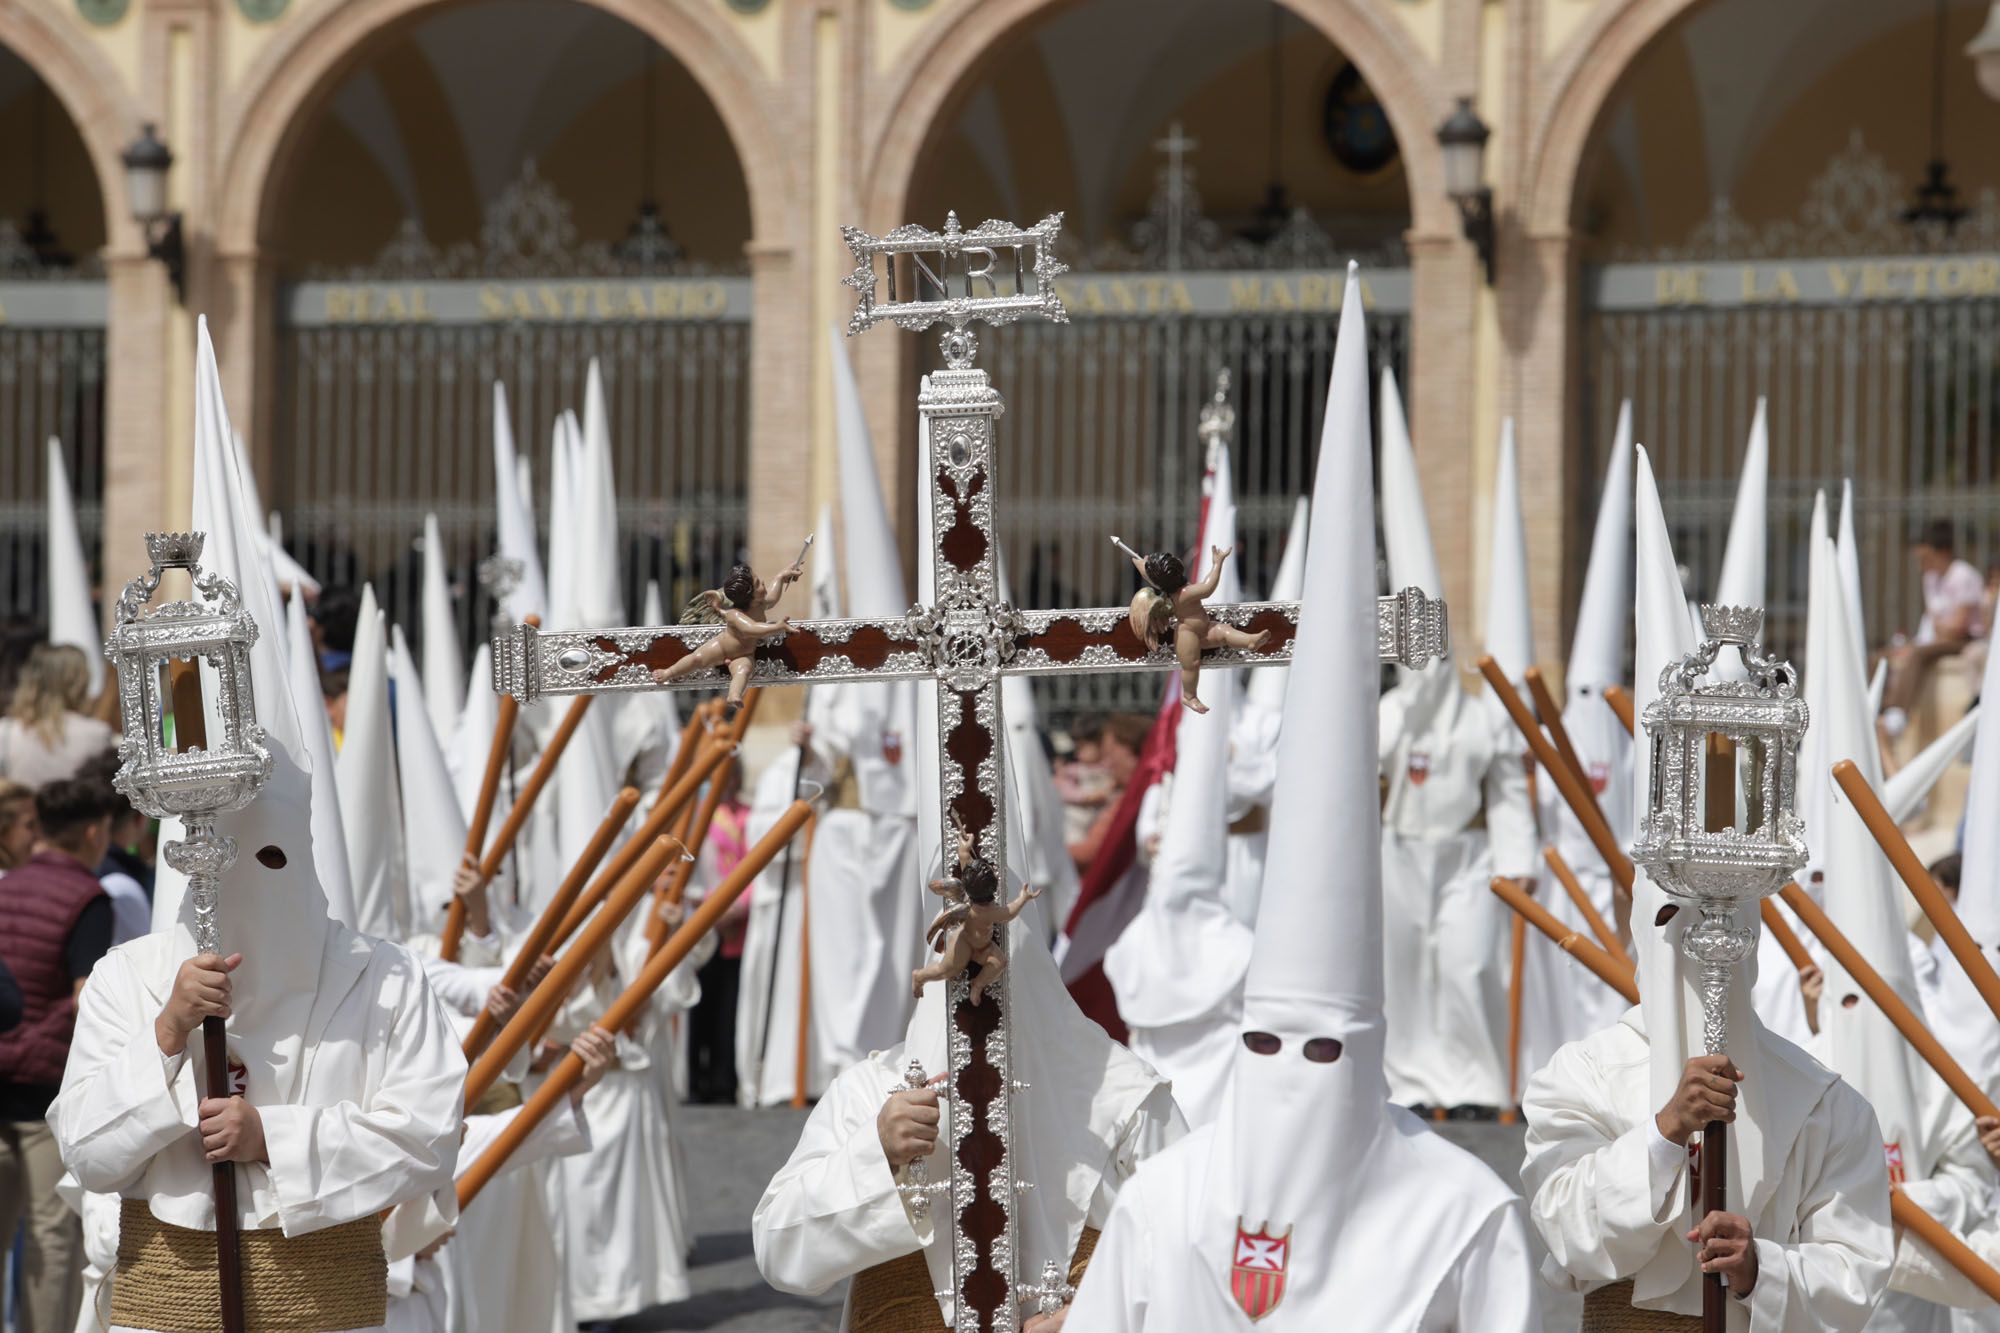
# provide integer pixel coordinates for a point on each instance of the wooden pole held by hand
(538, 778)
(626, 1008)
(1620, 977)
(537, 942)
(1574, 790)
(1912, 1218)
(1917, 878)
(482, 815)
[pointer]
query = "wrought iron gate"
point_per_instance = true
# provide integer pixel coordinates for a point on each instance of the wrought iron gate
(386, 409)
(51, 387)
(1878, 349)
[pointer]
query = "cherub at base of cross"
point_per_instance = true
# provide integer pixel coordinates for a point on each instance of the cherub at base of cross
(741, 604)
(1170, 602)
(963, 931)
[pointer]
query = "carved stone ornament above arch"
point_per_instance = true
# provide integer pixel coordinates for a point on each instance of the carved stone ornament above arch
(93, 96)
(306, 60)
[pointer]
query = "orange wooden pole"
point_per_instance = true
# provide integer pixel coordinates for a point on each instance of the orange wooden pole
(545, 999)
(1566, 877)
(482, 815)
(1514, 992)
(1574, 790)
(1917, 878)
(537, 942)
(1621, 704)
(805, 968)
(1620, 978)
(1551, 717)
(1890, 1003)
(538, 778)
(1787, 938)
(626, 1008)
(1911, 1217)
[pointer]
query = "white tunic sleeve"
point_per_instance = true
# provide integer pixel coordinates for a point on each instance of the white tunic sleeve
(1493, 1284)
(1112, 1296)
(833, 1209)
(1602, 1201)
(333, 1164)
(461, 987)
(122, 1102)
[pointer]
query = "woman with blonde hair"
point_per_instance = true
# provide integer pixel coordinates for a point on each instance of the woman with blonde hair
(46, 735)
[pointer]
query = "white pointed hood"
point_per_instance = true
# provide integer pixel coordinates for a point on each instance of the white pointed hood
(276, 916)
(72, 618)
(514, 517)
(1820, 668)
(369, 798)
(287, 572)
(600, 582)
(1604, 614)
(1433, 693)
(1183, 956)
(1267, 684)
(1863, 899)
(472, 738)
(565, 526)
(1510, 621)
(1784, 1083)
(1962, 1021)
(1741, 582)
(1849, 552)
(1906, 791)
(444, 667)
(433, 826)
(329, 833)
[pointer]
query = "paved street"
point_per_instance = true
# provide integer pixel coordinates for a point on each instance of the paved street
(730, 1156)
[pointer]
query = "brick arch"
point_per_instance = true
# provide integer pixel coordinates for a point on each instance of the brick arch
(951, 49)
(1583, 75)
(271, 105)
(93, 96)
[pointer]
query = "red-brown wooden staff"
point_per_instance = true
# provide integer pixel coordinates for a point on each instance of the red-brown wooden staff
(482, 813)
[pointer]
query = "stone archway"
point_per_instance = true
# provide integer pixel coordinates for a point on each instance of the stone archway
(92, 95)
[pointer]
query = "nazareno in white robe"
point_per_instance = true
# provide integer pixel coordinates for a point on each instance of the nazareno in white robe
(833, 1209)
(1609, 1194)
(371, 1119)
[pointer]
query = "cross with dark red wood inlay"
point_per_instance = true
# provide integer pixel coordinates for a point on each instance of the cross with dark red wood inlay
(962, 636)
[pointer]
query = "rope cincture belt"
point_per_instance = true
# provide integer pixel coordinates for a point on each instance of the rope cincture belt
(326, 1280)
(895, 1297)
(1610, 1310)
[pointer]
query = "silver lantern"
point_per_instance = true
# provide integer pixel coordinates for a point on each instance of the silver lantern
(1721, 828)
(193, 777)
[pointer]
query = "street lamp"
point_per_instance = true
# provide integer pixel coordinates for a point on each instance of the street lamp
(146, 161)
(1463, 138)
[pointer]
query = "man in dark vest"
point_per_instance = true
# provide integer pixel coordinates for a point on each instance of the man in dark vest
(55, 923)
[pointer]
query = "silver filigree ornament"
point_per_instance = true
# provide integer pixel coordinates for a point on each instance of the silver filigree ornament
(1722, 829)
(194, 783)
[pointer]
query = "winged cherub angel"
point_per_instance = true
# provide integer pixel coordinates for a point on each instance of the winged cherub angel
(963, 931)
(1169, 604)
(741, 605)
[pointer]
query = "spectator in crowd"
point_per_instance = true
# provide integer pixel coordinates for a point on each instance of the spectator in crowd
(46, 734)
(126, 877)
(1118, 746)
(55, 923)
(333, 689)
(1080, 778)
(712, 1024)
(18, 639)
(1954, 616)
(333, 619)
(18, 829)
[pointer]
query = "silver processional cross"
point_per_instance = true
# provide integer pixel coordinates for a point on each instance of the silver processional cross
(964, 640)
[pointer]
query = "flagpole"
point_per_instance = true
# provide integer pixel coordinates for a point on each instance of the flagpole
(778, 929)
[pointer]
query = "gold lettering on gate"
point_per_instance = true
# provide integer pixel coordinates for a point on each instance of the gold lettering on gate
(1679, 286)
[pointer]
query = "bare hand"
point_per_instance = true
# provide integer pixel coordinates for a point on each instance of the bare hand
(1812, 984)
(671, 913)
(467, 880)
(1989, 1136)
(200, 990)
(598, 1050)
(1707, 1092)
(802, 733)
(537, 970)
(501, 1002)
(1047, 1323)
(907, 1124)
(231, 1130)
(1218, 554)
(1724, 1245)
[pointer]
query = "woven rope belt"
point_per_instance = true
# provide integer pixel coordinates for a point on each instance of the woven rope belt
(316, 1283)
(1610, 1310)
(896, 1297)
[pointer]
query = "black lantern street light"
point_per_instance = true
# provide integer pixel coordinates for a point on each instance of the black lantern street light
(1463, 138)
(147, 161)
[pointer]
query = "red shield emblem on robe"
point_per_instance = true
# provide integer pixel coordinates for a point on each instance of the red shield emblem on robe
(1257, 1274)
(1419, 767)
(892, 745)
(1600, 777)
(1894, 1153)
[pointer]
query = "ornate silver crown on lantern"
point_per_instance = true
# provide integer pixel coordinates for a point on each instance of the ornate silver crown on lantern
(1722, 828)
(192, 777)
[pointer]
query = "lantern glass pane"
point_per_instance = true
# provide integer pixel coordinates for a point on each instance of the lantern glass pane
(163, 687)
(1719, 789)
(1753, 773)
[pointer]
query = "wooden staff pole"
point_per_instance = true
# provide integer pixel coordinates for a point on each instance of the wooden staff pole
(538, 778)
(1912, 1218)
(1890, 1003)
(1621, 704)
(626, 1008)
(1566, 877)
(653, 826)
(1619, 977)
(691, 732)
(694, 837)
(1574, 791)
(1519, 952)
(799, 1064)
(1787, 938)
(1550, 713)
(1918, 880)
(537, 942)
(191, 732)
(545, 999)
(482, 813)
